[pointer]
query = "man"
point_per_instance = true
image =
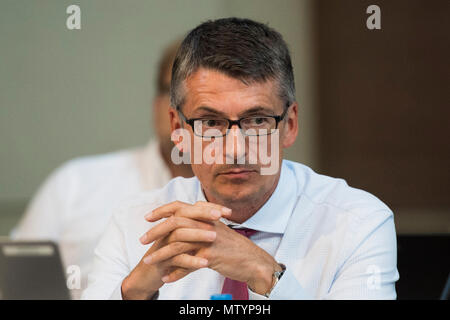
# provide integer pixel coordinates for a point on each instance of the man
(293, 234)
(75, 204)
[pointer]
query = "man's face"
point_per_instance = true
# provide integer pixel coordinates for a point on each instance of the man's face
(212, 94)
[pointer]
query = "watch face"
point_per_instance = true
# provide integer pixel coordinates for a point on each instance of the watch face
(276, 275)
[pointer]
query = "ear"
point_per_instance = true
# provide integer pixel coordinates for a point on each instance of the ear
(178, 135)
(290, 127)
(175, 121)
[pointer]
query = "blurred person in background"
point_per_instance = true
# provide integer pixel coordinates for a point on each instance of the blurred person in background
(74, 204)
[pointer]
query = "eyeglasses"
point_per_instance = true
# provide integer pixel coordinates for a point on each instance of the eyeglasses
(210, 127)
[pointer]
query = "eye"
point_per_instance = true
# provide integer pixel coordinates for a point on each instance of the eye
(211, 123)
(257, 121)
(260, 120)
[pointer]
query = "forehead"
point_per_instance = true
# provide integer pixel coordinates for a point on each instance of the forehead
(229, 95)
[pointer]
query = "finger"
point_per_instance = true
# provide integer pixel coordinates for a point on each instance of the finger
(169, 209)
(170, 251)
(200, 210)
(176, 248)
(164, 228)
(191, 235)
(175, 275)
(187, 261)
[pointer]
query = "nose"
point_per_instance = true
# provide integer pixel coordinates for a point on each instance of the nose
(235, 150)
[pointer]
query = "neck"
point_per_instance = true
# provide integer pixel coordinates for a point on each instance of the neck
(244, 210)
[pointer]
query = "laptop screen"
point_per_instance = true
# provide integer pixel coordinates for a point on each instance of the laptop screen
(31, 270)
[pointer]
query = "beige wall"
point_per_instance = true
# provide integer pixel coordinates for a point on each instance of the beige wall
(72, 93)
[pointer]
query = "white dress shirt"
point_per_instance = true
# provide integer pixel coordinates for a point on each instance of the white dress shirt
(336, 242)
(74, 205)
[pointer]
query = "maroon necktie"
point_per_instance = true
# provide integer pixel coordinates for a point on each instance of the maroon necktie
(236, 288)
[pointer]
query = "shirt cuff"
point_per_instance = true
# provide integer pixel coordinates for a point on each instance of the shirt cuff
(287, 288)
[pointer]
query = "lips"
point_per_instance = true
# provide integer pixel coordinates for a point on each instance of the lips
(234, 171)
(237, 173)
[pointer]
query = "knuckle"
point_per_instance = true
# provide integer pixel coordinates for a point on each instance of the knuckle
(178, 221)
(179, 203)
(171, 262)
(171, 238)
(174, 221)
(177, 246)
(209, 227)
(179, 273)
(184, 261)
(174, 235)
(205, 253)
(176, 261)
(192, 261)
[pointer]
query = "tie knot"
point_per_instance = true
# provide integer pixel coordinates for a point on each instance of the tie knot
(246, 232)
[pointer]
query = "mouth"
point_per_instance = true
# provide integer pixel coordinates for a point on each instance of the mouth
(237, 173)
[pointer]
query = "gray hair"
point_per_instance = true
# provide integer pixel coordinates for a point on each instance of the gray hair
(241, 48)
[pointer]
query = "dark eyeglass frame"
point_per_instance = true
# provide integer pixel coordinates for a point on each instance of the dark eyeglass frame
(231, 123)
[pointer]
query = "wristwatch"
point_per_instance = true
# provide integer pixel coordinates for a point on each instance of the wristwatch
(276, 277)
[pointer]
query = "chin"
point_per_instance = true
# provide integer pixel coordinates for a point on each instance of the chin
(236, 192)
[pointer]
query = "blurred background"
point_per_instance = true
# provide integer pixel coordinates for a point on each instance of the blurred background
(374, 104)
(68, 93)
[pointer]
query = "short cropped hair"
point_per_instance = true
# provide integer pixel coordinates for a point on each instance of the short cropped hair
(240, 48)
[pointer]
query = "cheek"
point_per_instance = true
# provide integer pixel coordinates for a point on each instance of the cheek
(203, 172)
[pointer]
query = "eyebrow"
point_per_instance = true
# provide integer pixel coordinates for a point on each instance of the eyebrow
(257, 110)
(254, 110)
(206, 109)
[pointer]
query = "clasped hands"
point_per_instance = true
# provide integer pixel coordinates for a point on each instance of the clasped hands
(192, 237)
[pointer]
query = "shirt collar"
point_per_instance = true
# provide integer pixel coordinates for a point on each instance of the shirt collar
(274, 215)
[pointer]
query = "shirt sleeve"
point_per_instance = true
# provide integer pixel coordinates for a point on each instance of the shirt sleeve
(110, 265)
(370, 271)
(43, 218)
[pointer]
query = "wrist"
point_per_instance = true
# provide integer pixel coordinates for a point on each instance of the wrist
(263, 281)
(139, 288)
